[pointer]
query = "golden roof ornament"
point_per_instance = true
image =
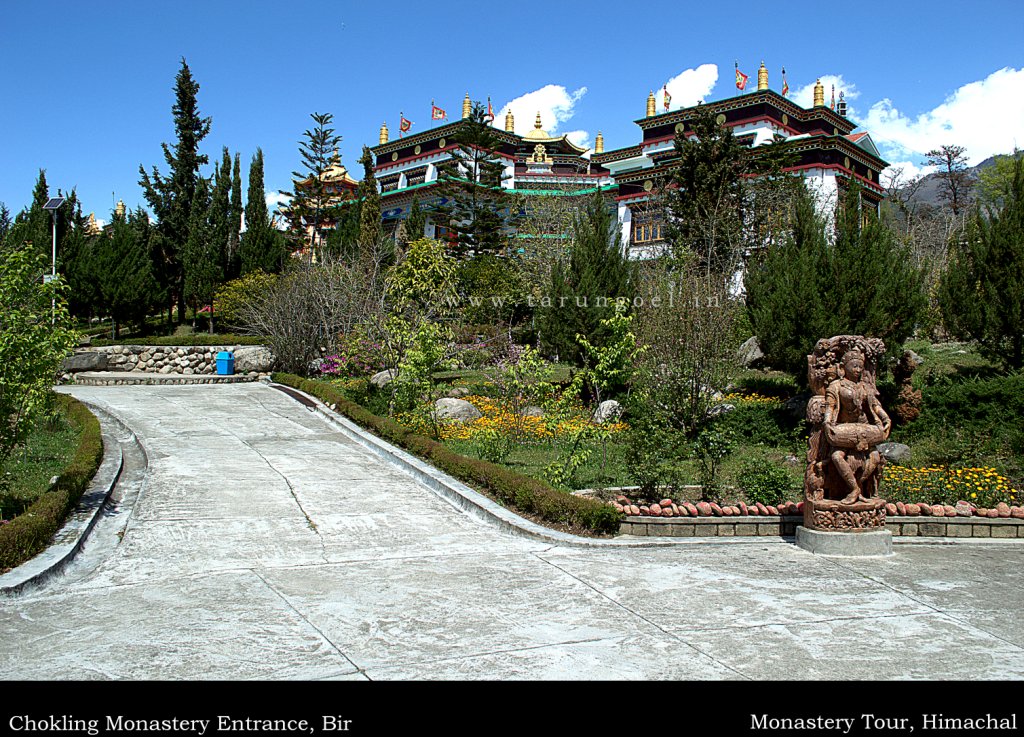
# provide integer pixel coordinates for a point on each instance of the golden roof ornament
(819, 94)
(384, 132)
(651, 105)
(467, 107)
(762, 77)
(120, 209)
(599, 143)
(510, 122)
(537, 133)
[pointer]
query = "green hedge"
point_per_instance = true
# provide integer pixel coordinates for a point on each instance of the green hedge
(513, 490)
(195, 339)
(30, 532)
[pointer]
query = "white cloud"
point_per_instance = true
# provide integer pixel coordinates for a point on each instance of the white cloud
(804, 96)
(909, 170)
(580, 138)
(554, 103)
(688, 87)
(275, 199)
(986, 117)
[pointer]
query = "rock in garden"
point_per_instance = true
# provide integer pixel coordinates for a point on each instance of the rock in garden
(949, 509)
(456, 392)
(901, 508)
(993, 514)
(532, 411)
(1017, 512)
(1003, 509)
(458, 410)
(913, 510)
(774, 511)
(645, 511)
(618, 507)
(691, 509)
(608, 410)
(634, 510)
(894, 452)
(622, 499)
(938, 510)
(727, 511)
(704, 508)
(743, 508)
(981, 511)
(667, 512)
(753, 510)
(677, 510)
(665, 503)
(85, 361)
(383, 378)
(721, 409)
(256, 358)
(762, 509)
(926, 509)
(655, 510)
(890, 508)
(716, 510)
(750, 353)
(963, 509)
(797, 406)
(791, 460)
(799, 507)
(913, 358)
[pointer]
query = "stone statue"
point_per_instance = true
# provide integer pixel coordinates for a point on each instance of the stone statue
(848, 422)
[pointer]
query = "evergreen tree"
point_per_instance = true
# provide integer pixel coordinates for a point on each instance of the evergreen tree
(706, 207)
(311, 207)
(122, 269)
(807, 288)
(75, 259)
(471, 181)
(5, 223)
(261, 248)
(369, 204)
(201, 256)
(232, 264)
(982, 292)
(583, 292)
(416, 223)
(33, 224)
(171, 197)
(220, 210)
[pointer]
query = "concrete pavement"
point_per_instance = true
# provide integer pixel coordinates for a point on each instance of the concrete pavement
(262, 542)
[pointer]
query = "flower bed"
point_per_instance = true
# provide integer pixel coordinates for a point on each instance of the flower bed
(981, 487)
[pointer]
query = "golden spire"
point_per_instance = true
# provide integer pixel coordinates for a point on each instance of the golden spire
(762, 78)
(651, 105)
(510, 122)
(537, 124)
(819, 94)
(119, 210)
(599, 143)
(384, 132)
(467, 107)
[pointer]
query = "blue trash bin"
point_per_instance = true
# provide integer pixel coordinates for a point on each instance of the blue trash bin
(225, 363)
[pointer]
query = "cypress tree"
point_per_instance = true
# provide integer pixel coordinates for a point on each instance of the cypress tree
(416, 223)
(231, 267)
(33, 224)
(201, 256)
(220, 210)
(471, 180)
(584, 290)
(5, 223)
(122, 269)
(261, 248)
(982, 291)
(369, 203)
(171, 197)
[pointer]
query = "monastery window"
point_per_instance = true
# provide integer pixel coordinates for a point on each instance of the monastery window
(389, 184)
(646, 230)
(416, 176)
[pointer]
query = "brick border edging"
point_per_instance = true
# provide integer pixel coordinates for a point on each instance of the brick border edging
(751, 526)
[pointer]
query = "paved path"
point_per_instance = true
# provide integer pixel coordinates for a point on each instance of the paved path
(265, 544)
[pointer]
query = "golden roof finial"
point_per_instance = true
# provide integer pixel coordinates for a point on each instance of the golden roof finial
(467, 107)
(762, 77)
(120, 209)
(652, 106)
(537, 124)
(599, 143)
(819, 94)
(384, 132)
(510, 122)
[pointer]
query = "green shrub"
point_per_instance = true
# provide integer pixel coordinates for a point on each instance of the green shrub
(511, 489)
(29, 533)
(763, 481)
(196, 339)
(762, 424)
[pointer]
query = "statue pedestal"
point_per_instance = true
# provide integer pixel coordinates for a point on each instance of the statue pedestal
(850, 544)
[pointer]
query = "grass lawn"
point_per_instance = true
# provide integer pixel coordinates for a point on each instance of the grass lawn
(29, 469)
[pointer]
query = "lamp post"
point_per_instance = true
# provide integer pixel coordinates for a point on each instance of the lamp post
(53, 205)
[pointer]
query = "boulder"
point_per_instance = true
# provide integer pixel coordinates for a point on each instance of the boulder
(797, 406)
(85, 361)
(750, 353)
(964, 509)
(456, 392)
(913, 358)
(532, 411)
(608, 410)
(383, 378)
(459, 410)
(256, 358)
(721, 409)
(894, 452)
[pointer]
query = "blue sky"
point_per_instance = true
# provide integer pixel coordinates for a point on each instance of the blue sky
(88, 86)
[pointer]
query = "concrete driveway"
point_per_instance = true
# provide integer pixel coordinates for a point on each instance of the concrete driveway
(263, 543)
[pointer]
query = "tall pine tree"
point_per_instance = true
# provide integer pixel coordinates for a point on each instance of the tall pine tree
(369, 204)
(311, 206)
(261, 248)
(471, 181)
(171, 196)
(232, 265)
(201, 256)
(122, 269)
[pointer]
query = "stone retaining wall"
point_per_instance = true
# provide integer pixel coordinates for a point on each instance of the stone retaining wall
(163, 359)
(751, 526)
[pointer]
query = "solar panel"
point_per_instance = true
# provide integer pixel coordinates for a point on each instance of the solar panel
(54, 203)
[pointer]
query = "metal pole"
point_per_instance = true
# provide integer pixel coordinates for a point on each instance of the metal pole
(53, 270)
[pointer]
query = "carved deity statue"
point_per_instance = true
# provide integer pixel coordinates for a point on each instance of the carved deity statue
(848, 422)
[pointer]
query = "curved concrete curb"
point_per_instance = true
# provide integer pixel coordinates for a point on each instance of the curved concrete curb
(469, 500)
(69, 539)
